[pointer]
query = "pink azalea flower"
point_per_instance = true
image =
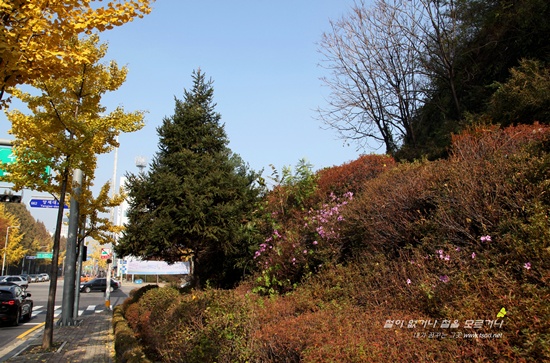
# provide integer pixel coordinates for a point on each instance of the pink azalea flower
(527, 265)
(473, 255)
(408, 281)
(486, 238)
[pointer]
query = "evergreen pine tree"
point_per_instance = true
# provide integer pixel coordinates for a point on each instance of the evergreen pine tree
(197, 200)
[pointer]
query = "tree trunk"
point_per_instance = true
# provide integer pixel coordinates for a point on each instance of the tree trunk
(47, 339)
(196, 282)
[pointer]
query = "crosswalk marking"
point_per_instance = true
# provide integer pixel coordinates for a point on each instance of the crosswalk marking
(90, 309)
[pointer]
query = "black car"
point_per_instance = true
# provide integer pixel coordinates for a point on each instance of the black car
(99, 284)
(14, 304)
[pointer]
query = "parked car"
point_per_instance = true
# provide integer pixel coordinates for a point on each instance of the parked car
(16, 279)
(39, 277)
(26, 277)
(99, 284)
(14, 304)
(33, 277)
(45, 276)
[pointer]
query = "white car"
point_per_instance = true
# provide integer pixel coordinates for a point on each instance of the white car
(16, 279)
(38, 277)
(44, 276)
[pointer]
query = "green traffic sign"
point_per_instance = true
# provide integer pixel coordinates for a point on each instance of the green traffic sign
(6, 157)
(44, 254)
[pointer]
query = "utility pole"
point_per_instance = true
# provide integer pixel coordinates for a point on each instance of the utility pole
(80, 258)
(47, 338)
(67, 317)
(111, 258)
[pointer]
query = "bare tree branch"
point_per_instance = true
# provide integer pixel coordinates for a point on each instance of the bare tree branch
(383, 60)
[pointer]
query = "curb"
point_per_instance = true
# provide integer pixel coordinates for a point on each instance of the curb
(20, 343)
(30, 331)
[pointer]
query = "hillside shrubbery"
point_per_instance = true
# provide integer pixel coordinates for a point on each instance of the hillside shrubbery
(464, 241)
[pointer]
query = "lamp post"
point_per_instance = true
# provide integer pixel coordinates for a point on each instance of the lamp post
(6, 247)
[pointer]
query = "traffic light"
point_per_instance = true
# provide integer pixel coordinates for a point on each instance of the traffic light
(10, 198)
(84, 252)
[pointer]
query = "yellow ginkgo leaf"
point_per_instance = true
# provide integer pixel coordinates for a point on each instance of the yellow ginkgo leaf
(27, 57)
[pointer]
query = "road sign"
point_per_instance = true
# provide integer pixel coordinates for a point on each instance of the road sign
(105, 253)
(45, 203)
(44, 254)
(6, 156)
(30, 257)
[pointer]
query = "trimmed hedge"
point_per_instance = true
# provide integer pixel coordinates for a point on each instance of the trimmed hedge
(127, 347)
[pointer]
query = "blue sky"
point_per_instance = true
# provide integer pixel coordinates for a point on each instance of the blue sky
(263, 58)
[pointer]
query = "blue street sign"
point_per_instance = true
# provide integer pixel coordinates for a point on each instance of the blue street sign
(45, 203)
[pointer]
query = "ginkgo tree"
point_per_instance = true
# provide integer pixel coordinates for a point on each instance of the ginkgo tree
(68, 127)
(94, 224)
(95, 263)
(12, 248)
(66, 130)
(35, 35)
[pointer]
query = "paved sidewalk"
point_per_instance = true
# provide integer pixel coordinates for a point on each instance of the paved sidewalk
(91, 341)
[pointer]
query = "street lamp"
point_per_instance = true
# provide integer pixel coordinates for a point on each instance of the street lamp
(6, 247)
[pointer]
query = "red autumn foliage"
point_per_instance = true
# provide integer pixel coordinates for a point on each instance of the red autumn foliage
(464, 239)
(351, 176)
